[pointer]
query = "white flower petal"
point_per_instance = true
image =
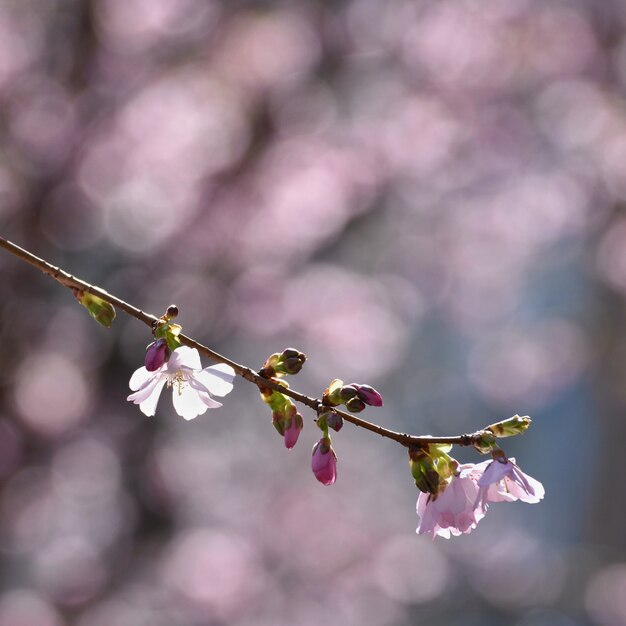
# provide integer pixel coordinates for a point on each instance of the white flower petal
(204, 394)
(144, 391)
(139, 378)
(148, 397)
(218, 379)
(187, 357)
(187, 402)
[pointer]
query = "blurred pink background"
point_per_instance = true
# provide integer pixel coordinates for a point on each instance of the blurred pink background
(426, 196)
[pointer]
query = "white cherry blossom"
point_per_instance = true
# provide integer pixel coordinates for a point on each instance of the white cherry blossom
(193, 388)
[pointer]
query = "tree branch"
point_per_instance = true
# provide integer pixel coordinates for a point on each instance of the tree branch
(71, 282)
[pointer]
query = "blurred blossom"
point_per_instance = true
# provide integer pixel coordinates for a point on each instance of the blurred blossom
(514, 569)
(341, 315)
(305, 108)
(69, 333)
(28, 508)
(11, 442)
(611, 259)
(70, 220)
(21, 41)
(51, 393)
(260, 49)
(70, 571)
(41, 121)
(538, 208)
(546, 617)
(85, 471)
(605, 597)
(421, 136)
(143, 167)
(613, 154)
(459, 45)
(11, 196)
(574, 113)
(410, 573)
(302, 207)
(534, 365)
(216, 569)
(132, 26)
(23, 607)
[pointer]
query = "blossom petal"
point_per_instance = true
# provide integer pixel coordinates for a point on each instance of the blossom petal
(187, 357)
(494, 473)
(139, 378)
(218, 379)
(144, 391)
(531, 491)
(187, 402)
(148, 397)
(204, 394)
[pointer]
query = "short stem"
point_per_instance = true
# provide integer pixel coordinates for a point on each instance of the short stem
(71, 282)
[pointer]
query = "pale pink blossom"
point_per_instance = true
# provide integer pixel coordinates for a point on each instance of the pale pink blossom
(501, 480)
(192, 386)
(324, 462)
(453, 511)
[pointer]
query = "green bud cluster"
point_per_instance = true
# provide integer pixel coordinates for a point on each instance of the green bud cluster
(284, 411)
(289, 361)
(165, 329)
(432, 467)
(101, 310)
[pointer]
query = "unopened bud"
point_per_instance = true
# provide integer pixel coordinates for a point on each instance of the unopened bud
(172, 312)
(369, 395)
(515, 425)
(355, 405)
(293, 427)
(291, 353)
(334, 421)
(292, 366)
(324, 462)
(347, 392)
(289, 361)
(157, 354)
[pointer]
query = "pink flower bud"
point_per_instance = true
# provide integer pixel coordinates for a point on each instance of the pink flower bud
(334, 421)
(324, 462)
(347, 392)
(369, 395)
(293, 426)
(157, 355)
(355, 405)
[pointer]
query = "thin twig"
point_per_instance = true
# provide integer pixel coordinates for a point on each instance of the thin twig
(71, 282)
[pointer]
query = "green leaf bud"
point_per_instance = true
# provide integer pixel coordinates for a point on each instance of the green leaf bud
(515, 425)
(101, 310)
